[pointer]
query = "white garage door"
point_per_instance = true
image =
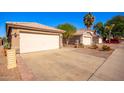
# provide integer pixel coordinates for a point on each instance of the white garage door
(86, 41)
(37, 42)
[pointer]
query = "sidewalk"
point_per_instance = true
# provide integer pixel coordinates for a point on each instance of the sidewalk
(113, 68)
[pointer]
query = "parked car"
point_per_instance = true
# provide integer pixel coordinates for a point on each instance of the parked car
(115, 41)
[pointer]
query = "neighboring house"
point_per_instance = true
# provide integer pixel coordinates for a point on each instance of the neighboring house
(0, 42)
(31, 37)
(85, 37)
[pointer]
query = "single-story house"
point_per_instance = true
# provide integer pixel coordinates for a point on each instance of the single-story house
(85, 37)
(1, 41)
(31, 37)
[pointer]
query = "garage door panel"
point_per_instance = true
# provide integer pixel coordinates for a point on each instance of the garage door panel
(87, 41)
(37, 42)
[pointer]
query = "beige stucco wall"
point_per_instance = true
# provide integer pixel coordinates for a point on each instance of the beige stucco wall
(0, 42)
(60, 41)
(15, 40)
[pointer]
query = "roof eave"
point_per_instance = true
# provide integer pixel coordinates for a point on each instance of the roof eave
(32, 28)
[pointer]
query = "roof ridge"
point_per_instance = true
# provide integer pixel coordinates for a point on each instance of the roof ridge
(35, 25)
(19, 22)
(30, 23)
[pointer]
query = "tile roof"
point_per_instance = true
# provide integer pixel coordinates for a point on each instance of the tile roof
(33, 25)
(81, 31)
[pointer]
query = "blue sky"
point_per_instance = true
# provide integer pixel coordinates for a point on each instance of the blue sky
(52, 18)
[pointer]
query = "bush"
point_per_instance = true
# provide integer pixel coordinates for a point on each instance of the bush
(81, 45)
(105, 48)
(93, 46)
(6, 44)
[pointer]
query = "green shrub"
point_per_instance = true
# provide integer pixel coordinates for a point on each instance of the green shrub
(105, 48)
(6, 44)
(81, 45)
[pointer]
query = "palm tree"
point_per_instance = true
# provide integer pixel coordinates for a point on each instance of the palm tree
(88, 20)
(109, 28)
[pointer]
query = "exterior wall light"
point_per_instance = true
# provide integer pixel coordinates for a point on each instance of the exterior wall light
(15, 35)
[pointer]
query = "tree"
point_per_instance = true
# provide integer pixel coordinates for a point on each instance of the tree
(69, 31)
(118, 29)
(109, 28)
(88, 20)
(100, 29)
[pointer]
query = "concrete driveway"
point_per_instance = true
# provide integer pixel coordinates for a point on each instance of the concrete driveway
(62, 64)
(113, 67)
